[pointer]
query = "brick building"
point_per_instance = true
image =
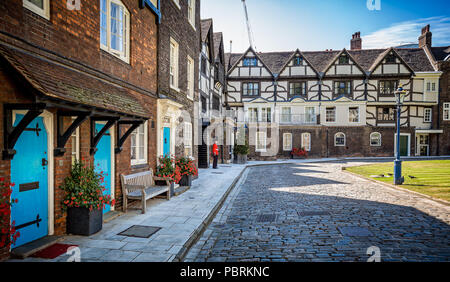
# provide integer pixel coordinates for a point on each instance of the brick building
(178, 60)
(341, 103)
(75, 82)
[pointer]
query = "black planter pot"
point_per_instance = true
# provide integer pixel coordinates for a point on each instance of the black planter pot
(81, 221)
(186, 180)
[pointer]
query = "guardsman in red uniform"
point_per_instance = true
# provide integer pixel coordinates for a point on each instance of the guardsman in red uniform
(215, 154)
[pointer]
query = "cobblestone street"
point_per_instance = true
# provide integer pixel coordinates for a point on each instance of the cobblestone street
(316, 212)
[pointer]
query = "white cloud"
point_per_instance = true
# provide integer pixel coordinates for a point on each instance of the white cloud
(408, 32)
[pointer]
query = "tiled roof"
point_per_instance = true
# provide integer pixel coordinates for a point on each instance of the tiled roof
(55, 80)
(416, 58)
(440, 53)
(205, 26)
(218, 37)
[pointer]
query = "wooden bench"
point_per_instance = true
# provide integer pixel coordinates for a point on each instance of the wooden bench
(141, 186)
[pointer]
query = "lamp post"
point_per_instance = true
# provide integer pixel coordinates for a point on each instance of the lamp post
(400, 96)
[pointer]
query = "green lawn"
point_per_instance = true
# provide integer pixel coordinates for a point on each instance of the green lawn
(432, 177)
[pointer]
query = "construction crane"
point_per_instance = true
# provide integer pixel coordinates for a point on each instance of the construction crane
(249, 28)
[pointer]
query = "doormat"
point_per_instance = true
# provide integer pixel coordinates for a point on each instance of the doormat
(266, 217)
(53, 251)
(140, 231)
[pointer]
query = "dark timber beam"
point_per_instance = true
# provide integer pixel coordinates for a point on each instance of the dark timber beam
(95, 137)
(63, 137)
(12, 133)
(121, 139)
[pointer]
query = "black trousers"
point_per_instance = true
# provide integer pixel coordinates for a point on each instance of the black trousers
(215, 161)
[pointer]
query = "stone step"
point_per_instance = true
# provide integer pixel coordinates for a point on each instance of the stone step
(35, 246)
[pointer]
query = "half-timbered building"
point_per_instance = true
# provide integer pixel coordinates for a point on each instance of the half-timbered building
(335, 103)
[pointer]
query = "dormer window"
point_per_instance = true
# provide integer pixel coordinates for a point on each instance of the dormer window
(297, 61)
(250, 62)
(390, 59)
(343, 60)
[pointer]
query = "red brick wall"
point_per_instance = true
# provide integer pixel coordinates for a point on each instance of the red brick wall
(76, 35)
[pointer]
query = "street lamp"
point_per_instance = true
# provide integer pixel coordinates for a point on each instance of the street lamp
(400, 96)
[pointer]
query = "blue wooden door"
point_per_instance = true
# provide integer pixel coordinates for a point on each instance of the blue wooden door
(29, 171)
(102, 161)
(166, 141)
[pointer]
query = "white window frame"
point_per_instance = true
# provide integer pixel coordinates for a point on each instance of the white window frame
(44, 12)
(187, 138)
(303, 136)
(379, 139)
(190, 78)
(284, 117)
(191, 7)
(446, 111)
(252, 114)
(264, 112)
(430, 117)
(326, 116)
(125, 54)
(314, 116)
(287, 137)
(358, 116)
(76, 135)
(340, 145)
(259, 135)
(174, 67)
(138, 161)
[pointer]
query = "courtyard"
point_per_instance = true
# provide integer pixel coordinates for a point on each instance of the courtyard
(317, 212)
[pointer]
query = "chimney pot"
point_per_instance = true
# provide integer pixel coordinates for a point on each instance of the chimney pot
(356, 41)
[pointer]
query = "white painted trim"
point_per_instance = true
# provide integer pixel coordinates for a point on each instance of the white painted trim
(309, 141)
(177, 3)
(359, 115)
(48, 123)
(175, 64)
(345, 139)
(409, 142)
(285, 135)
(265, 142)
(45, 12)
(145, 160)
(370, 139)
(112, 133)
(444, 108)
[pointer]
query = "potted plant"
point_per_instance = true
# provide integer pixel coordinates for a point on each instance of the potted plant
(84, 200)
(298, 153)
(240, 153)
(8, 233)
(187, 169)
(167, 169)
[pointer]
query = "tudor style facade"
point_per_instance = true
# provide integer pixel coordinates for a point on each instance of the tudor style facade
(178, 61)
(335, 103)
(211, 93)
(74, 87)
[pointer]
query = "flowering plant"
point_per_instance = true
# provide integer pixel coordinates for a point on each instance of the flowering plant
(8, 235)
(175, 168)
(299, 152)
(187, 166)
(84, 188)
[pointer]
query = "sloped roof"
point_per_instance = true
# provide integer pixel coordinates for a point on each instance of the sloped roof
(416, 58)
(54, 80)
(440, 53)
(217, 37)
(205, 26)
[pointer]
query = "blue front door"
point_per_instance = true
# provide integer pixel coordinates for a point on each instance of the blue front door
(166, 141)
(102, 161)
(29, 172)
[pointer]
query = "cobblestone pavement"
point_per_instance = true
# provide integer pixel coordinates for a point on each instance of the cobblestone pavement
(316, 212)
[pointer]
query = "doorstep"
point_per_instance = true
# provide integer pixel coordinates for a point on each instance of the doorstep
(35, 246)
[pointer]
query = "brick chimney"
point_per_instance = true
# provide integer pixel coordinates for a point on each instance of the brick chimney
(356, 42)
(425, 37)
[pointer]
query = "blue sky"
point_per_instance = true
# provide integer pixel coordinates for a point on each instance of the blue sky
(283, 25)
